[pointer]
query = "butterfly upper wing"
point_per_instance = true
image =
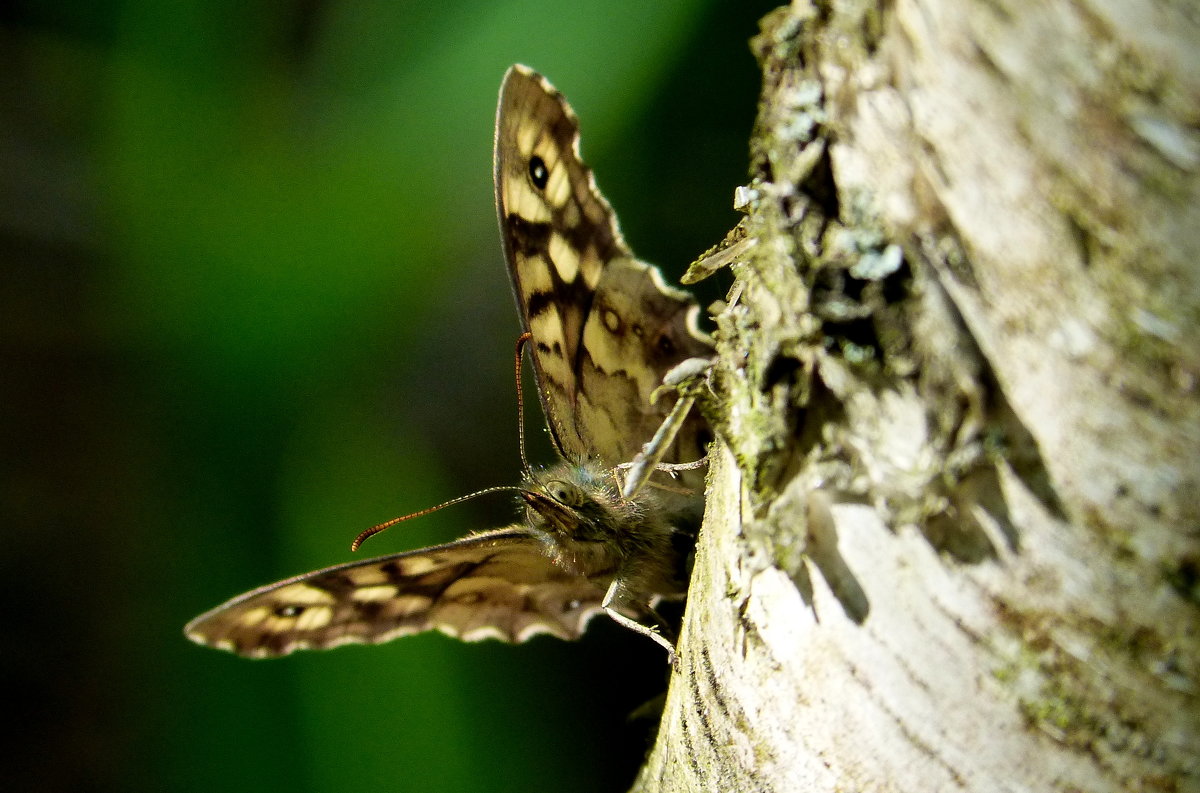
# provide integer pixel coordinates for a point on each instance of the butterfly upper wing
(605, 327)
(498, 584)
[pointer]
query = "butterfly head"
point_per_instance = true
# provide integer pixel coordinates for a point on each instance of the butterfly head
(573, 502)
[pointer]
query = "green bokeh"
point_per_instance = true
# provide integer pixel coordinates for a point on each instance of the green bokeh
(256, 302)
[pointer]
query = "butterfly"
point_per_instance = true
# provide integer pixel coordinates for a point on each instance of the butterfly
(603, 330)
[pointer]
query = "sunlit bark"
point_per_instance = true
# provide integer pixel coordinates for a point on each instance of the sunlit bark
(952, 536)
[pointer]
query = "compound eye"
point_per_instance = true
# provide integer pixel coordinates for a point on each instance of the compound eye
(564, 492)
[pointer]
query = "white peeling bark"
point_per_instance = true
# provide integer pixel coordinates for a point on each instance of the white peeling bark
(953, 534)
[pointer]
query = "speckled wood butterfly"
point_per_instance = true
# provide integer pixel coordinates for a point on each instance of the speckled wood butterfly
(603, 331)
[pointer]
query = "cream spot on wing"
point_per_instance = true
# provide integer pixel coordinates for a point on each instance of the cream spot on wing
(314, 618)
(535, 275)
(367, 576)
(547, 149)
(521, 199)
(546, 329)
(558, 187)
(527, 138)
(565, 258)
(254, 616)
(372, 593)
(303, 594)
(418, 565)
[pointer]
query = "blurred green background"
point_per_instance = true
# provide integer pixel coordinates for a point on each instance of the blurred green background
(254, 301)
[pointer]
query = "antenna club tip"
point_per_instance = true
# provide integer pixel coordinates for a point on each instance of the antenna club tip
(361, 538)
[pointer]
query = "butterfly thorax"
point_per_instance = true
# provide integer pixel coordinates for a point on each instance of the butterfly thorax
(588, 527)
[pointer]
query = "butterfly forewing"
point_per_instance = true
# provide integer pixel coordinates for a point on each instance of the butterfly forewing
(597, 352)
(499, 584)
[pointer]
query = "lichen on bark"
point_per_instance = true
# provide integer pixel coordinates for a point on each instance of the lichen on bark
(950, 541)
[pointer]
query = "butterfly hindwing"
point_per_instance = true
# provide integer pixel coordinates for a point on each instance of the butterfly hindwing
(605, 327)
(497, 584)
(637, 330)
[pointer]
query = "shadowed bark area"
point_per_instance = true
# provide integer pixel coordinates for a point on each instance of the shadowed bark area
(952, 533)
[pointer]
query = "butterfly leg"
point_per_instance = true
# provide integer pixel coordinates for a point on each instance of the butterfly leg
(618, 601)
(683, 379)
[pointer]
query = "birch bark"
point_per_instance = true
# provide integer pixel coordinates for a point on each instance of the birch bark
(953, 531)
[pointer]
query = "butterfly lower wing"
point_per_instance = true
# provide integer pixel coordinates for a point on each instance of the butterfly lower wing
(638, 330)
(497, 584)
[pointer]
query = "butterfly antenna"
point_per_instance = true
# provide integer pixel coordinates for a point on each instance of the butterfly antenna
(521, 341)
(371, 532)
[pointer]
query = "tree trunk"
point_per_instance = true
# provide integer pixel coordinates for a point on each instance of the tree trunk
(952, 532)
